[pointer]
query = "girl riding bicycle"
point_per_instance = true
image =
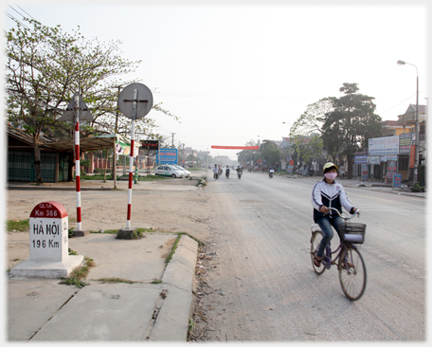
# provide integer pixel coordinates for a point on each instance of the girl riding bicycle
(328, 193)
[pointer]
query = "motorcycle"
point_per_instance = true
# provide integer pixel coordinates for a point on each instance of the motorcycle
(271, 174)
(227, 173)
(239, 175)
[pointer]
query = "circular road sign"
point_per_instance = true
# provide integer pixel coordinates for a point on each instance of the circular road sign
(144, 100)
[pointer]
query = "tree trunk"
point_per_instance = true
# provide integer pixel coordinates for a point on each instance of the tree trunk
(71, 164)
(349, 166)
(37, 160)
(106, 165)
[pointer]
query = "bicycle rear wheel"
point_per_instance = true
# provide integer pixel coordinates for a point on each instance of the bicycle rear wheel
(315, 241)
(352, 273)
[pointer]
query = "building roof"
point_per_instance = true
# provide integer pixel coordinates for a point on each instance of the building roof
(392, 123)
(409, 116)
(86, 144)
(412, 108)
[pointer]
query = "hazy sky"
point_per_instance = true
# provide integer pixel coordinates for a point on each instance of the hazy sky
(235, 72)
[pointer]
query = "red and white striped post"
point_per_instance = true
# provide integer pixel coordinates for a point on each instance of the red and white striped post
(77, 164)
(132, 145)
(127, 98)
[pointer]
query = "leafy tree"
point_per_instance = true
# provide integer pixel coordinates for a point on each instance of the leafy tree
(312, 120)
(308, 148)
(45, 67)
(270, 153)
(246, 156)
(351, 123)
(307, 134)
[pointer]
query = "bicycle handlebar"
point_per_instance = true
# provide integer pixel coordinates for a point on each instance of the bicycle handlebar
(357, 212)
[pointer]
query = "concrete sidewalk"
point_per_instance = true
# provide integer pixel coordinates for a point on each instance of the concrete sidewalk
(149, 301)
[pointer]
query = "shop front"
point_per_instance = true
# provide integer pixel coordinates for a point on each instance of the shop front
(383, 159)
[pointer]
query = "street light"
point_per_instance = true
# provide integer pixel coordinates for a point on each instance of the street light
(417, 139)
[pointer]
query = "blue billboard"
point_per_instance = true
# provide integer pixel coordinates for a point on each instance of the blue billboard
(166, 156)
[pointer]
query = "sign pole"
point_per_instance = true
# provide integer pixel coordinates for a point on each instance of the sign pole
(130, 105)
(77, 164)
(72, 114)
(132, 145)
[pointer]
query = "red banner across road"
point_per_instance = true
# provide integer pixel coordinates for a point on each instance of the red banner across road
(235, 147)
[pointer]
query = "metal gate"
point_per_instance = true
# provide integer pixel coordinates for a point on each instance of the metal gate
(21, 167)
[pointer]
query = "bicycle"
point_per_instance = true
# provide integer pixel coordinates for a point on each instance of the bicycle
(347, 257)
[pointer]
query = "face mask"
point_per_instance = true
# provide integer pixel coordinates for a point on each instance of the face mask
(330, 175)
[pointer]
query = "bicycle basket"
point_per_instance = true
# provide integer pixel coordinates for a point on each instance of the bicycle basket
(353, 232)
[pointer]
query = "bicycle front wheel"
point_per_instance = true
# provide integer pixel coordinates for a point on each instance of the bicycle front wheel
(315, 241)
(352, 273)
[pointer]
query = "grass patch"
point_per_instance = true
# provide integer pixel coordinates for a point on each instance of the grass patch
(192, 237)
(115, 231)
(150, 178)
(18, 225)
(179, 235)
(137, 234)
(116, 280)
(168, 259)
(202, 182)
(108, 231)
(79, 273)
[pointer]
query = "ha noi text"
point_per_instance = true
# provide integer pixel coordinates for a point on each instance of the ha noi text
(48, 244)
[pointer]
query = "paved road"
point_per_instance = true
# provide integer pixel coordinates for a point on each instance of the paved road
(268, 291)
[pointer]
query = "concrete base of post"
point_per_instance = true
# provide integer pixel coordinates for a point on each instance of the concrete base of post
(126, 234)
(47, 268)
(80, 233)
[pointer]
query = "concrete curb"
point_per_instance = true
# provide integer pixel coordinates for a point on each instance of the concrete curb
(172, 318)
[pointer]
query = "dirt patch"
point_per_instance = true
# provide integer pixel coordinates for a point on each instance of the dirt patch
(174, 210)
(18, 248)
(189, 210)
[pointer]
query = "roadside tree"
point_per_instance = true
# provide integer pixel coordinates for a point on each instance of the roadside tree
(270, 153)
(351, 123)
(308, 148)
(246, 156)
(345, 125)
(45, 67)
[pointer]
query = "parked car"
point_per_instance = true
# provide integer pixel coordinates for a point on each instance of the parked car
(185, 172)
(168, 170)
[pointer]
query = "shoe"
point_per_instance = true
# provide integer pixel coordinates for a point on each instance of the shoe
(317, 261)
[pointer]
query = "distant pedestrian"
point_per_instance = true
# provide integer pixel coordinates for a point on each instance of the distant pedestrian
(215, 172)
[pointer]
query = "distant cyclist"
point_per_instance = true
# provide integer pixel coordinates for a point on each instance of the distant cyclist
(328, 193)
(271, 172)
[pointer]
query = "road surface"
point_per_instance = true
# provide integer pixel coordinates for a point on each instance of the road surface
(260, 285)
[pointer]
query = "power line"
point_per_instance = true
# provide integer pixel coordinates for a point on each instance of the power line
(26, 12)
(16, 20)
(15, 10)
(391, 108)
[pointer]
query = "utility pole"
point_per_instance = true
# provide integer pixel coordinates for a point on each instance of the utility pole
(172, 146)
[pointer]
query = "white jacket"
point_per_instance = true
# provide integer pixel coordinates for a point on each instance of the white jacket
(329, 195)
